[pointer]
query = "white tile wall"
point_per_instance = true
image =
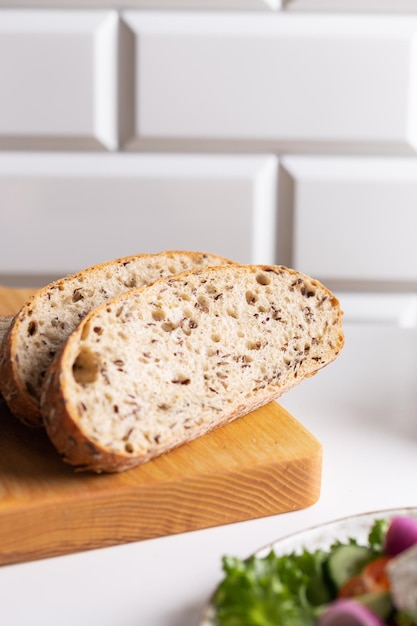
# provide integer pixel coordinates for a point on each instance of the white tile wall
(266, 131)
(353, 220)
(64, 212)
(380, 6)
(395, 310)
(359, 6)
(48, 72)
(310, 83)
(171, 5)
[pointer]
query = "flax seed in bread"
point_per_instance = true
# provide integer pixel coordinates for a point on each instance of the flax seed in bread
(159, 366)
(45, 321)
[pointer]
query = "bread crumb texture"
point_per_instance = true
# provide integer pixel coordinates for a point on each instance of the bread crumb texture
(161, 365)
(45, 322)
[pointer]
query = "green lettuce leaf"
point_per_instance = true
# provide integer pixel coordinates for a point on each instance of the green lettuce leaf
(271, 591)
(377, 535)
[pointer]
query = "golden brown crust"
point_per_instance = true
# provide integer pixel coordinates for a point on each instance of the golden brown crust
(19, 401)
(76, 448)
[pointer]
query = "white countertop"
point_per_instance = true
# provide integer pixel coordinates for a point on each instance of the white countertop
(363, 409)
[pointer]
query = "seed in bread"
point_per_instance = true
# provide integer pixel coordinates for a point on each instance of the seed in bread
(159, 366)
(45, 321)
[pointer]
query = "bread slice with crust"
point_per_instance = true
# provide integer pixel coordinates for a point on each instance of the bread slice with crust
(159, 366)
(42, 325)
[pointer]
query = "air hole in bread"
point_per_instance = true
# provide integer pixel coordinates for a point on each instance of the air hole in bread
(158, 315)
(77, 295)
(216, 338)
(203, 303)
(57, 323)
(119, 311)
(181, 380)
(86, 367)
(232, 313)
(263, 279)
(307, 291)
(277, 315)
(168, 327)
(188, 325)
(131, 282)
(32, 328)
(98, 330)
(129, 448)
(254, 345)
(251, 297)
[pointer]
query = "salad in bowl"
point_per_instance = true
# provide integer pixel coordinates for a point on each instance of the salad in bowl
(359, 571)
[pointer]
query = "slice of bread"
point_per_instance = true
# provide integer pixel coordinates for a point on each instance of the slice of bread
(42, 325)
(161, 365)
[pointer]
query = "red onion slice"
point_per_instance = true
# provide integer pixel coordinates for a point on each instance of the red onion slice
(348, 613)
(401, 535)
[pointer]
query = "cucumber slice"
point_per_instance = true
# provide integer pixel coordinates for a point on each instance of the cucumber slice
(346, 561)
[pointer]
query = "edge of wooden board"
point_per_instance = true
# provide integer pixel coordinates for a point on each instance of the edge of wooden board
(227, 476)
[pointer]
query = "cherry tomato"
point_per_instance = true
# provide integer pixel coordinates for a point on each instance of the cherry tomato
(372, 578)
(355, 586)
(375, 573)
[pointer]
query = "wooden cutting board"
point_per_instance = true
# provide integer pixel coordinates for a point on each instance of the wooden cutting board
(263, 464)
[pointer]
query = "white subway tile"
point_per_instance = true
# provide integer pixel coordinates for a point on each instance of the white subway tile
(62, 212)
(279, 82)
(351, 221)
(54, 89)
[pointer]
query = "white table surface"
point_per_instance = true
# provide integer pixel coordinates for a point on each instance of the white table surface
(363, 408)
